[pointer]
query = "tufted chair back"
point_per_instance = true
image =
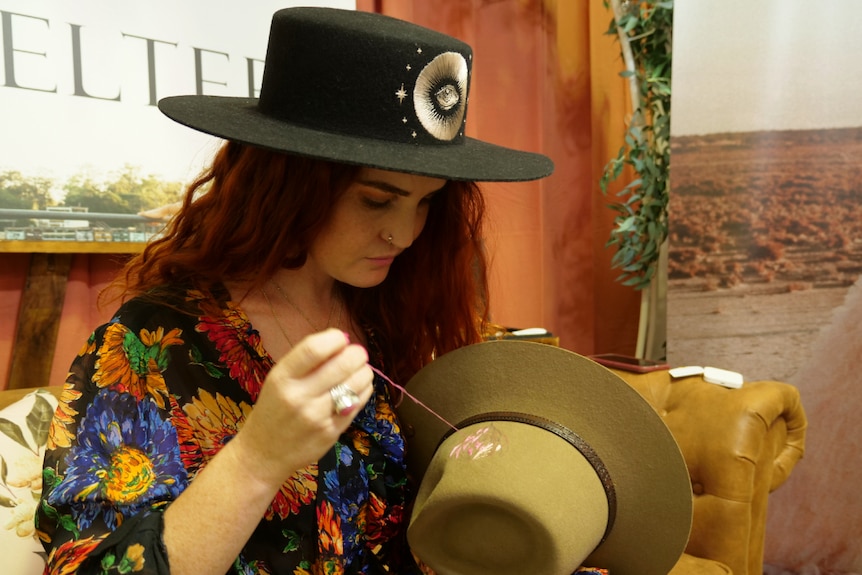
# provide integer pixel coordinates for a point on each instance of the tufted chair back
(739, 446)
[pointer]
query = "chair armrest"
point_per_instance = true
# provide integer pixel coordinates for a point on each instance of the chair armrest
(739, 445)
(780, 404)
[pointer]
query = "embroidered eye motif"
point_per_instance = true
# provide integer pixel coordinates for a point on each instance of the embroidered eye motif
(440, 95)
(447, 96)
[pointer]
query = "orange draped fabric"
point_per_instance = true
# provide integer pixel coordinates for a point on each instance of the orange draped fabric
(546, 79)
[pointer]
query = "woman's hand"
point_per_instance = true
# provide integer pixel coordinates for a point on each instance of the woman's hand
(293, 423)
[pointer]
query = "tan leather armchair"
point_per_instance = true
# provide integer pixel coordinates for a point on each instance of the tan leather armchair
(739, 445)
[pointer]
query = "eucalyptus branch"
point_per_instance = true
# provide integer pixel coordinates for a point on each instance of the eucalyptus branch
(628, 56)
(644, 30)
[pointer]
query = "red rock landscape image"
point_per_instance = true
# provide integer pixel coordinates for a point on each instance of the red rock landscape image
(765, 240)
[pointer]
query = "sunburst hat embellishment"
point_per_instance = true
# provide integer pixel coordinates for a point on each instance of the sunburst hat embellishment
(440, 95)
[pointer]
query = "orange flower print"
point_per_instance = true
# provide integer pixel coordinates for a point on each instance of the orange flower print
(329, 526)
(361, 440)
(374, 516)
(232, 335)
(65, 559)
(64, 415)
(300, 489)
(190, 448)
(384, 410)
(134, 364)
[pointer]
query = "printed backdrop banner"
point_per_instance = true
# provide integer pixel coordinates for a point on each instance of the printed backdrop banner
(80, 82)
(765, 252)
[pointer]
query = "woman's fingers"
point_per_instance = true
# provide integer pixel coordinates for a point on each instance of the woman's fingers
(323, 360)
(312, 351)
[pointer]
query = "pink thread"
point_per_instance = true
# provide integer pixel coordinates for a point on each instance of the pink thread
(414, 399)
(485, 441)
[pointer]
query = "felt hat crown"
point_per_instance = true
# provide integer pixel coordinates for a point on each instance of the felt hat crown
(361, 88)
(556, 463)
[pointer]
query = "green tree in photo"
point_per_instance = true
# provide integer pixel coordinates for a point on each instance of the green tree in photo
(127, 192)
(22, 193)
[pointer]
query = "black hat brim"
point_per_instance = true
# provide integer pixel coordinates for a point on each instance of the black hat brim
(240, 120)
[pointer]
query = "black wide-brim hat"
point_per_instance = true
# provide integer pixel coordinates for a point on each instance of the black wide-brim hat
(365, 89)
(554, 462)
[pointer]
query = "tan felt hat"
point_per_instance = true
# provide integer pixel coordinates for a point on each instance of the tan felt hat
(556, 462)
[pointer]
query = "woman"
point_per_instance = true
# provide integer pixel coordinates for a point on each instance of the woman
(331, 250)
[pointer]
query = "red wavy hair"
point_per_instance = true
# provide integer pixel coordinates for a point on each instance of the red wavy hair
(261, 210)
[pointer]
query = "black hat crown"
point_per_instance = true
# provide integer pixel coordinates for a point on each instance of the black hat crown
(373, 76)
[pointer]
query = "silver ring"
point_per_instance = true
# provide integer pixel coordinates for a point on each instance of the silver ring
(344, 399)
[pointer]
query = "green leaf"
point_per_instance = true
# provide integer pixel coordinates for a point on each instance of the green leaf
(108, 561)
(48, 510)
(67, 523)
(212, 370)
(293, 540)
(626, 224)
(49, 477)
(13, 431)
(195, 354)
(39, 420)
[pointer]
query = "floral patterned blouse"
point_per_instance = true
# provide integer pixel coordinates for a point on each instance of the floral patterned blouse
(150, 399)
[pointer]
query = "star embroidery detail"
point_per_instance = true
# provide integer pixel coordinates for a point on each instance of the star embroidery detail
(404, 120)
(401, 94)
(418, 50)
(409, 67)
(413, 133)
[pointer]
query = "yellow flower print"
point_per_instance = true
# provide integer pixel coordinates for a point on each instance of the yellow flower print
(214, 420)
(135, 555)
(134, 364)
(131, 562)
(89, 346)
(58, 434)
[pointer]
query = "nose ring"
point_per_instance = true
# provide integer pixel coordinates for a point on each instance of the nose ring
(389, 239)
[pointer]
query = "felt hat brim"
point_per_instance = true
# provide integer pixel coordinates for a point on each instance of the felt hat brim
(240, 120)
(652, 488)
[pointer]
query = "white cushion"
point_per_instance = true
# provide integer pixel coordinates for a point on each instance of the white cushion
(23, 433)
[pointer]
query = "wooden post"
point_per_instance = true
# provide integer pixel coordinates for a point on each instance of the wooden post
(39, 320)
